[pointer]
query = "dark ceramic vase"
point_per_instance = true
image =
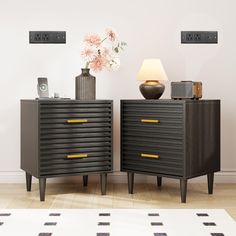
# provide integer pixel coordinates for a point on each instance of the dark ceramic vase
(85, 86)
(152, 89)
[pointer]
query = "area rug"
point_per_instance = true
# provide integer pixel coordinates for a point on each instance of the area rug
(116, 222)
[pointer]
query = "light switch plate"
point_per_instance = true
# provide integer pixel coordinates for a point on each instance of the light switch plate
(199, 37)
(47, 36)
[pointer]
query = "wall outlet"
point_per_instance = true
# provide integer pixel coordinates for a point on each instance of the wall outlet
(47, 37)
(199, 37)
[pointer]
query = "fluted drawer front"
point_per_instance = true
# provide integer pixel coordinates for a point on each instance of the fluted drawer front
(72, 119)
(56, 159)
(152, 119)
(67, 161)
(156, 156)
(155, 160)
(75, 137)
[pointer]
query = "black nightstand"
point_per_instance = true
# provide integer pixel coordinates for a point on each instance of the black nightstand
(170, 138)
(66, 138)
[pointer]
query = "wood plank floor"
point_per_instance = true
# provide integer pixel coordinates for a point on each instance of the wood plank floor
(145, 196)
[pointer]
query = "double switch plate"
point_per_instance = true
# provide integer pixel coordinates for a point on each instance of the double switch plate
(199, 37)
(47, 37)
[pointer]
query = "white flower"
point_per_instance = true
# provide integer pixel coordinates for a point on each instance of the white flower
(114, 64)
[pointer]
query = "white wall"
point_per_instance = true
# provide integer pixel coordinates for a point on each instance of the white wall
(150, 27)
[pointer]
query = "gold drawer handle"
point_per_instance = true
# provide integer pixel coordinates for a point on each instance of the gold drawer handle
(77, 121)
(149, 155)
(150, 121)
(82, 155)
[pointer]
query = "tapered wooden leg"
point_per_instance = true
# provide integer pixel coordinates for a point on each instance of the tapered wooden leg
(103, 181)
(210, 180)
(85, 180)
(42, 187)
(183, 190)
(130, 182)
(159, 181)
(28, 181)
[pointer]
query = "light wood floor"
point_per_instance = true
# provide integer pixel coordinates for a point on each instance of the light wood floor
(145, 196)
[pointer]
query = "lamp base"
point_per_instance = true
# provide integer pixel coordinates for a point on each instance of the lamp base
(152, 89)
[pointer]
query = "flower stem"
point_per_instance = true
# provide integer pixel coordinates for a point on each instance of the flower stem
(87, 65)
(102, 42)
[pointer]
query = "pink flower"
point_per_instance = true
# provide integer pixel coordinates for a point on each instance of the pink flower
(98, 63)
(92, 40)
(88, 54)
(111, 34)
(106, 52)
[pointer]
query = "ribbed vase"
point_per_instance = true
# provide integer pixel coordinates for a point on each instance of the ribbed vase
(85, 86)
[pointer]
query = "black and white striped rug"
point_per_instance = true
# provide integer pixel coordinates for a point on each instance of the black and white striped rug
(116, 222)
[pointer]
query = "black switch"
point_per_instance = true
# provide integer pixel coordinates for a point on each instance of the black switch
(199, 37)
(47, 37)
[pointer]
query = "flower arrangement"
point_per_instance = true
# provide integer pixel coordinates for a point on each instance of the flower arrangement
(102, 53)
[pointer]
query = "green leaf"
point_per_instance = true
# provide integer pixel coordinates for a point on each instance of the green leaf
(116, 49)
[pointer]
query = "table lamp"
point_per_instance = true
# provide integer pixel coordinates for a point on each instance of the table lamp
(152, 72)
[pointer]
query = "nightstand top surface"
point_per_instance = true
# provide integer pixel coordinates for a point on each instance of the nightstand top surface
(61, 100)
(169, 100)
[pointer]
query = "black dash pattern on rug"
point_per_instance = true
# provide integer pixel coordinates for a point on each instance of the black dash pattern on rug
(103, 234)
(160, 234)
(209, 223)
(45, 234)
(103, 223)
(153, 214)
(54, 214)
(202, 214)
(156, 223)
(104, 214)
(217, 234)
(5, 214)
(50, 223)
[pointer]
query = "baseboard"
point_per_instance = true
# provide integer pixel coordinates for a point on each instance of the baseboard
(225, 176)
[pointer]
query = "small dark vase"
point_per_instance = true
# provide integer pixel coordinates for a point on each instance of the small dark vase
(85, 86)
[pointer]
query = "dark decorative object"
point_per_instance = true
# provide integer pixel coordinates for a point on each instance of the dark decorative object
(152, 89)
(170, 138)
(186, 90)
(85, 86)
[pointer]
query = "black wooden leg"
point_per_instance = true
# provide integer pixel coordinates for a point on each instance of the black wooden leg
(183, 190)
(159, 181)
(42, 187)
(28, 181)
(130, 182)
(210, 180)
(85, 180)
(103, 181)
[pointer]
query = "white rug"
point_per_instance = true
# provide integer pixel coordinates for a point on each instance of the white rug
(116, 222)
